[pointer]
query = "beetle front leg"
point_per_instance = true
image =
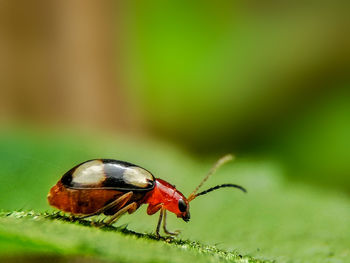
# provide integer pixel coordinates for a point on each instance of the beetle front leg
(152, 209)
(164, 226)
(159, 222)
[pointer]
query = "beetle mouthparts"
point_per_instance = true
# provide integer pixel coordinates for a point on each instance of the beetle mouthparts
(186, 217)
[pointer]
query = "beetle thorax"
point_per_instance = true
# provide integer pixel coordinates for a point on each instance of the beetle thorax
(166, 194)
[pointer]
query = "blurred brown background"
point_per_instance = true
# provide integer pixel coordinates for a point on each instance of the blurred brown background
(255, 78)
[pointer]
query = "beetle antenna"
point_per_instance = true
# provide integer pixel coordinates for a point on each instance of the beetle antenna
(221, 186)
(216, 166)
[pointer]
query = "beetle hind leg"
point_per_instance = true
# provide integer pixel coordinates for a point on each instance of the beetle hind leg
(130, 208)
(120, 202)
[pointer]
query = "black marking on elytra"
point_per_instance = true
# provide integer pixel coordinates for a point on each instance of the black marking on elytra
(113, 172)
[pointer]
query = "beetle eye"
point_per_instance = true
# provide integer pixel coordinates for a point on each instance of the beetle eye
(182, 205)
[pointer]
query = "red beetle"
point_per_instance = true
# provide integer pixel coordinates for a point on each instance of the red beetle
(115, 187)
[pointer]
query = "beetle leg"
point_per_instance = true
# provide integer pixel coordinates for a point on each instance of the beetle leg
(159, 222)
(121, 201)
(130, 208)
(152, 209)
(164, 226)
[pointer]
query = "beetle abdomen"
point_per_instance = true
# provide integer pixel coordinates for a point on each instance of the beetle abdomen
(80, 201)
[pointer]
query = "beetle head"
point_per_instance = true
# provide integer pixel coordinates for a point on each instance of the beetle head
(184, 209)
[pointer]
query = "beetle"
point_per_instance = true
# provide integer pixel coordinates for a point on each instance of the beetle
(113, 188)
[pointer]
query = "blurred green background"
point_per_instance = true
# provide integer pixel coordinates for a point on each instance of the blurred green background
(185, 82)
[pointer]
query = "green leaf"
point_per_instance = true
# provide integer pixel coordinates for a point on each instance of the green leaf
(276, 220)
